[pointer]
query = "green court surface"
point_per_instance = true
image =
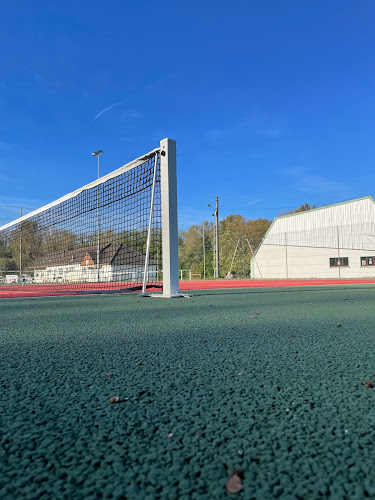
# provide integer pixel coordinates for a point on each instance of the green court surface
(280, 395)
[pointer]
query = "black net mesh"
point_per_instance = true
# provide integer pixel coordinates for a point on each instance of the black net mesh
(94, 241)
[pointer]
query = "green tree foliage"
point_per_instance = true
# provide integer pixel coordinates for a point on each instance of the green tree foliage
(57, 241)
(231, 229)
(191, 249)
(7, 264)
(6, 261)
(27, 238)
(30, 242)
(302, 208)
(248, 234)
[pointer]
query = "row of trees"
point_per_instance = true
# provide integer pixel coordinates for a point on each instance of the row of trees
(24, 244)
(234, 231)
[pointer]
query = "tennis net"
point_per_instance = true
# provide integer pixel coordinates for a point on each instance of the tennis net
(105, 236)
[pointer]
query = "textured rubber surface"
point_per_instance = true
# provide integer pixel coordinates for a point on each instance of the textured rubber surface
(280, 394)
(17, 291)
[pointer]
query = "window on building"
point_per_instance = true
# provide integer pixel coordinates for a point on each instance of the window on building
(367, 261)
(339, 262)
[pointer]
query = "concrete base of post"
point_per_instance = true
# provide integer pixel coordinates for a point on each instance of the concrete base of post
(176, 295)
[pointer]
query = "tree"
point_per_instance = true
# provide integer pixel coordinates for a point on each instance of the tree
(246, 232)
(232, 229)
(6, 261)
(58, 240)
(302, 208)
(7, 264)
(191, 249)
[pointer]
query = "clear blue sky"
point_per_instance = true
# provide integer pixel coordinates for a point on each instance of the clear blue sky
(272, 103)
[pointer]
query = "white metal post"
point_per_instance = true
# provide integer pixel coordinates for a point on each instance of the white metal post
(338, 251)
(286, 257)
(168, 187)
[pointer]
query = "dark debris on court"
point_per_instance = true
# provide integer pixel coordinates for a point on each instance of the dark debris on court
(261, 380)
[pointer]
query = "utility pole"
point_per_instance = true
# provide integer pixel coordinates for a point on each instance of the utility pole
(217, 238)
(213, 243)
(243, 257)
(216, 215)
(204, 254)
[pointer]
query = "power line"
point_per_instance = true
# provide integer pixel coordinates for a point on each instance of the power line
(317, 205)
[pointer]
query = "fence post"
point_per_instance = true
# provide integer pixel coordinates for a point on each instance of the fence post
(286, 257)
(338, 251)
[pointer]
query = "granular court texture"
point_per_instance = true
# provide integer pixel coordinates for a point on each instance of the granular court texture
(258, 379)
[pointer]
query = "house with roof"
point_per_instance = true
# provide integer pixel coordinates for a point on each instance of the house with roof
(79, 265)
(335, 241)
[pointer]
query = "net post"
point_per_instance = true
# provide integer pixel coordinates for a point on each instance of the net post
(168, 186)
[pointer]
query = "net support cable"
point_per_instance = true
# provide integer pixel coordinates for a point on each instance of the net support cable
(145, 275)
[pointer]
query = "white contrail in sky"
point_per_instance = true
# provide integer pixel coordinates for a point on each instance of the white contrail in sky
(107, 109)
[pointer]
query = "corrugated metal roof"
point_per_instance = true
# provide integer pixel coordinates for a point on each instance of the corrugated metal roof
(319, 227)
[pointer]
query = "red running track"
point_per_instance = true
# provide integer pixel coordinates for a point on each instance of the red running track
(18, 291)
(219, 284)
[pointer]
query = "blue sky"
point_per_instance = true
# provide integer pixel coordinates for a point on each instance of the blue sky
(271, 102)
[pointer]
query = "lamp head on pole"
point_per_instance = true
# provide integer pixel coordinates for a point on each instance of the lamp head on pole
(97, 153)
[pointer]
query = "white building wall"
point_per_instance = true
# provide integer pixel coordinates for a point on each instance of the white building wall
(133, 273)
(85, 274)
(281, 262)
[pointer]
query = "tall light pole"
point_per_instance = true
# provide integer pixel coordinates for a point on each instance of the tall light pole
(204, 253)
(97, 154)
(21, 248)
(213, 238)
(217, 234)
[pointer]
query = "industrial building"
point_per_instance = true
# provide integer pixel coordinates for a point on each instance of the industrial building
(335, 241)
